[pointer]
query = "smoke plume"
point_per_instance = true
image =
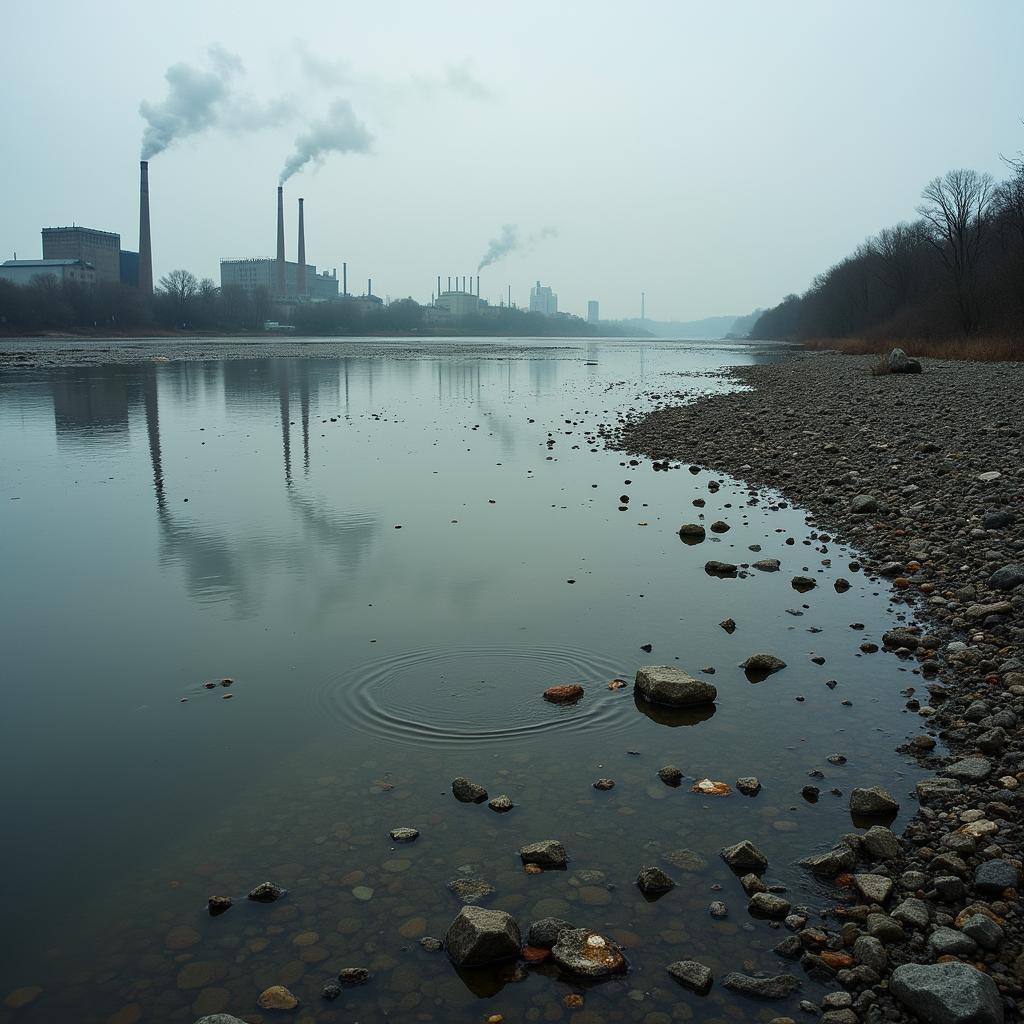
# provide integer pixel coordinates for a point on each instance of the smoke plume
(340, 132)
(510, 241)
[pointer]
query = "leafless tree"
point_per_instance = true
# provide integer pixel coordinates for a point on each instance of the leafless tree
(896, 250)
(956, 211)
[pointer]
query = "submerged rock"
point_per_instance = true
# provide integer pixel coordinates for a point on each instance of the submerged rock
(548, 853)
(662, 684)
(653, 881)
(691, 975)
(839, 859)
(354, 975)
(404, 835)
(468, 792)
(277, 997)
(477, 937)
(777, 987)
(566, 694)
(501, 804)
(470, 890)
(544, 933)
(267, 892)
(587, 954)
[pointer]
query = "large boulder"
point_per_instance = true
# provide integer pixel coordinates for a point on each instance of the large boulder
(468, 792)
(662, 684)
(897, 361)
(1007, 578)
(585, 954)
(837, 860)
(948, 993)
(478, 936)
(744, 856)
(548, 853)
(873, 801)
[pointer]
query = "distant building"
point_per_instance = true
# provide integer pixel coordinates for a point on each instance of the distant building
(252, 274)
(543, 300)
(24, 272)
(100, 248)
(458, 304)
(592, 313)
(129, 268)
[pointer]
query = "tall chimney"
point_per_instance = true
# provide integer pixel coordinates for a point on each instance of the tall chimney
(369, 286)
(439, 286)
(301, 286)
(279, 284)
(344, 279)
(478, 286)
(449, 282)
(145, 247)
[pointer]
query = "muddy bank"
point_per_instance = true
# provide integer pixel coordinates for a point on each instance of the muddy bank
(924, 474)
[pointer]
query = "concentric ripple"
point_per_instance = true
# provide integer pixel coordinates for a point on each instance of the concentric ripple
(455, 695)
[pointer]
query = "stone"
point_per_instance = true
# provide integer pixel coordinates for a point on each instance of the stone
(330, 991)
(950, 942)
(836, 861)
(477, 937)
(884, 928)
(544, 933)
(1007, 578)
(897, 361)
(468, 792)
(277, 997)
(777, 987)
(604, 784)
(749, 785)
(501, 804)
(969, 769)
(470, 890)
(768, 565)
(217, 905)
(586, 954)
(220, 1018)
(872, 801)
(763, 664)
(881, 843)
(997, 521)
(863, 504)
(548, 853)
(670, 775)
(404, 835)
(267, 892)
(766, 904)
(692, 530)
(868, 950)
(913, 912)
(718, 909)
(662, 684)
(752, 883)
(691, 975)
(687, 860)
(566, 694)
(948, 993)
(744, 856)
(929, 790)
(901, 636)
(984, 931)
(716, 568)
(652, 881)
(873, 888)
(355, 975)
(711, 787)
(993, 876)
(790, 947)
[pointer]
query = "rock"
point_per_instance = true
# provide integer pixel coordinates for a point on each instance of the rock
(544, 933)
(778, 987)
(993, 876)
(670, 775)
(691, 975)
(949, 942)
(358, 975)
(868, 950)
(766, 904)
(586, 954)
(477, 937)
(653, 881)
(873, 888)
(884, 928)
(997, 521)
(718, 909)
(566, 694)
(468, 792)
(790, 947)
(749, 785)
(470, 890)
(330, 991)
(277, 997)
(267, 892)
(729, 625)
(768, 565)
(217, 905)
(710, 787)
(662, 684)
(404, 835)
(744, 856)
(1007, 578)
(716, 568)
(897, 361)
(901, 636)
(913, 912)
(930, 790)
(763, 664)
(949, 993)
(604, 784)
(720, 526)
(692, 531)
(983, 611)
(220, 1018)
(686, 860)
(752, 883)
(803, 583)
(872, 802)
(863, 504)
(984, 931)
(881, 843)
(501, 804)
(548, 853)
(431, 944)
(969, 769)
(836, 861)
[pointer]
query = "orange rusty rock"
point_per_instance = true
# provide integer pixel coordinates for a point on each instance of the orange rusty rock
(563, 694)
(533, 869)
(913, 566)
(901, 583)
(534, 954)
(710, 788)
(573, 1001)
(844, 880)
(837, 961)
(616, 684)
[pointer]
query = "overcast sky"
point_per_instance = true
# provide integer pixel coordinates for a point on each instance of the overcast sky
(716, 156)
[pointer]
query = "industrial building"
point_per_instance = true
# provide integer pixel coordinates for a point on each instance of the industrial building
(543, 300)
(69, 271)
(592, 312)
(100, 248)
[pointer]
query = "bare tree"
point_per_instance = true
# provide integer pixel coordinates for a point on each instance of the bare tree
(180, 288)
(956, 208)
(895, 250)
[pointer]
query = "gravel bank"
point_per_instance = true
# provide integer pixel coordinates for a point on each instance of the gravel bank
(924, 474)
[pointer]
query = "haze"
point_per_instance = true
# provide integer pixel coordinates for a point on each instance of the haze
(714, 157)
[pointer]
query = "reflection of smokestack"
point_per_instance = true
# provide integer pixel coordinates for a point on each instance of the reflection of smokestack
(301, 286)
(344, 279)
(279, 287)
(145, 248)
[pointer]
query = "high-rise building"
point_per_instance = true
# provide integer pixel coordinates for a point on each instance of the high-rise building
(592, 313)
(100, 248)
(543, 300)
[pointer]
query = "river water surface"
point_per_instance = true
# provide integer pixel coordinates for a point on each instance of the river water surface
(392, 559)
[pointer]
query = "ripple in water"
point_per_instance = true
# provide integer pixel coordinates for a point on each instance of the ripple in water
(445, 696)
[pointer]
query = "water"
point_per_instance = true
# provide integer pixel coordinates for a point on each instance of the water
(378, 552)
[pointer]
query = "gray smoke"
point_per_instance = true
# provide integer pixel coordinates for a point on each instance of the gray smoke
(510, 241)
(340, 132)
(202, 98)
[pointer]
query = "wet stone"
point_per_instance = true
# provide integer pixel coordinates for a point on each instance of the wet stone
(686, 860)
(351, 976)
(872, 801)
(604, 784)
(501, 804)
(766, 904)
(477, 937)
(652, 881)
(749, 785)
(691, 975)
(470, 890)
(670, 775)
(763, 664)
(663, 684)
(778, 986)
(468, 792)
(587, 954)
(404, 835)
(548, 853)
(277, 997)
(217, 905)
(744, 856)
(544, 933)
(267, 892)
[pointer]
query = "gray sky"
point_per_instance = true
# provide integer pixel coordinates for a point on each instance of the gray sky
(715, 155)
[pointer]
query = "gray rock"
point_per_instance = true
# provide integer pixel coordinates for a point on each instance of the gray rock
(768, 565)
(884, 928)
(586, 954)
(863, 504)
(983, 611)
(744, 856)
(841, 1016)
(468, 792)
(691, 975)
(716, 568)
(881, 843)
(670, 775)
(766, 904)
(777, 987)
(949, 993)
(718, 909)
(267, 892)
(749, 785)
(950, 888)
(868, 950)
(548, 853)
(970, 769)
(1007, 578)
(662, 684)
(873, 888)
(992, 740)
(353, 976)
(470, 890)
(502, 804)
(872, 801)
(478, 936)
(431, 944)
(997, 521)
(751, 884)
(948, 941)
(901, 636)
(694, 530)
(930, 790)
(404, 835)
(544, 933)
(763, 664)
(897, 361)
(653, 881)
(993, 876)
(790, 947)
(913, 912)
(837, 860)
(220, 1018)
(985, 932)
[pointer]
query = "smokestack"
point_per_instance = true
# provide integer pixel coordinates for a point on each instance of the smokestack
(301, 284)
(478, 286)
(369, 286)
(439, 286)
(344, 279)
(145, 246)
(449, 282)
(279, 286)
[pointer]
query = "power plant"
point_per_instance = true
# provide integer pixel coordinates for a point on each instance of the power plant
(145, 245)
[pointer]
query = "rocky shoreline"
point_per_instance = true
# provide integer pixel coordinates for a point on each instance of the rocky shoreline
(924, 475)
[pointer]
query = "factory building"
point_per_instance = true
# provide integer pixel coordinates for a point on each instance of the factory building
(592, 312)
(101, 249)
(70, 271)
(543, 300)
(252, 274)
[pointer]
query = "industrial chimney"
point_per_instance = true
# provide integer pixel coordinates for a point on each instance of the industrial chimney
(279, 285)
(344, 279)
(145, 247)
(301, 285)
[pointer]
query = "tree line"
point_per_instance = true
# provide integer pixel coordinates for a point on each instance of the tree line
(955, 271)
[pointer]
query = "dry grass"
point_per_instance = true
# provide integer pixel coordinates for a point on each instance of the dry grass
(994, 349)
